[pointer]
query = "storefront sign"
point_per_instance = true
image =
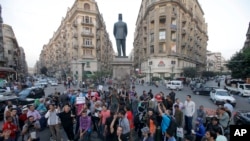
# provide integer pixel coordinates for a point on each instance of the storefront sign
(161, 64)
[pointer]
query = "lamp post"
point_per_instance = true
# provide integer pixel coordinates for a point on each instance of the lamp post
(172, 74)
(83, 64)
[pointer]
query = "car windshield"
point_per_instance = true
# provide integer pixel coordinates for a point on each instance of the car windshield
(247, 87)
(24, 93)
(222, 93)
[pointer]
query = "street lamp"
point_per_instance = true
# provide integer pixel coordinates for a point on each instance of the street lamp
(150, 78)
(149, 75)
(83, 64)
(172, 74)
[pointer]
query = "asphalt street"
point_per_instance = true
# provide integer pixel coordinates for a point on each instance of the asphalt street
(242, 103)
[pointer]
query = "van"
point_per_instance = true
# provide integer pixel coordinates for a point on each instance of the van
(175, 85)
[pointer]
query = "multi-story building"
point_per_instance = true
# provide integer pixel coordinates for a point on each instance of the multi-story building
(2, 58)
(13, 54)
(216, 62)
(23, 67)
(170, 35)
(80, 45)
(247, 42)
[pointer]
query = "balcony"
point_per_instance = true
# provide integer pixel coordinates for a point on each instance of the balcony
(183, 31)
(75, 46)
(184, 19)
(75, 24)
(174, 15)
(87, 46)
(98, 37)
(3, 59)
(88, 23)
(75, 35)
(144, 24)
(87, 34)
(173, 27)
(183, 44)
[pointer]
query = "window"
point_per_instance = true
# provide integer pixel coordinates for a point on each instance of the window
(152, 49)
(86, 6)
(152, 37)
(88, 64)
(162, 35)
(162, 48)
(87, 30)
(87, 41)
(86, 19)
(173, 36)
(9, 51)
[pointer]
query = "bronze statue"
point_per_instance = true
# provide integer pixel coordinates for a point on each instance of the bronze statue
(120, 33)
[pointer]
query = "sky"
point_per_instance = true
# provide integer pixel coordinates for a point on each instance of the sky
(35, 21)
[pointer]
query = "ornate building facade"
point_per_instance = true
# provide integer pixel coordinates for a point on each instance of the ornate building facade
(80, 45)
(170, 35)
(13, 54)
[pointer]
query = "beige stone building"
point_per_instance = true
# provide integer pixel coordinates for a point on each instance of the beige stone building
(170, 35)
(14, 55)
(216, 62)
(80, 45)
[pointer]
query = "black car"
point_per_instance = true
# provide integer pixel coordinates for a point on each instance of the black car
(204, 90)
(3, 103)
(28, 95)
(242, 118)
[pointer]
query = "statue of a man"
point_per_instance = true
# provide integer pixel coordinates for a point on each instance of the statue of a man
(120, 33)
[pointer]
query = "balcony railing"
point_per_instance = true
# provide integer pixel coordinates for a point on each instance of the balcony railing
(87, 46)
(75, 35)
(173, 27)
(75, 46)
(87, 23)
(89, 34)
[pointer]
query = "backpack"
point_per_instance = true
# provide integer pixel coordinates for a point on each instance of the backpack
(172, 126)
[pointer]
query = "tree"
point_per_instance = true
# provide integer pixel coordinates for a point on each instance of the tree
(239, 64)
(44, 70)
(189, 72)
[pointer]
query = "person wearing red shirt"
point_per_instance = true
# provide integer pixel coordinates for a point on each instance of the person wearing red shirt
(130, 118)
(105, 113)
(10, 126)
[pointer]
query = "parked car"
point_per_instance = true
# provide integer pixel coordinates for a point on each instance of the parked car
(205, 90)
(3, 103)
(175, 85)
(196, 86)
(242, 117)
(28, 95)
(219, 96)
(53, 83)
(43, 82)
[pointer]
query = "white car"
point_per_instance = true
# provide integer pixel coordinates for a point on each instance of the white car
(219, 96)
(174, 85)
(53, 83)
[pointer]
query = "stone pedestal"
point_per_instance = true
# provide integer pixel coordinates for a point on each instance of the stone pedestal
(121, 72)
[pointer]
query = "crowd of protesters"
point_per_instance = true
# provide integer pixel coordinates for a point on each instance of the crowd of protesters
(115, 115)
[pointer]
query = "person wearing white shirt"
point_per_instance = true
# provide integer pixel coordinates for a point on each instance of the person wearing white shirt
(179, 103)
(189, 106)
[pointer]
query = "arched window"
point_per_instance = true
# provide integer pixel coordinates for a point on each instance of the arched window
(86, 6)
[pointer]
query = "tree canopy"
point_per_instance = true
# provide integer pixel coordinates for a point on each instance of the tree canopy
(189, 72)
(239, 64)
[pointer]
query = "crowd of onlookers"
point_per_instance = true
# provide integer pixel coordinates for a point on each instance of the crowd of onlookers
(117, 115)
